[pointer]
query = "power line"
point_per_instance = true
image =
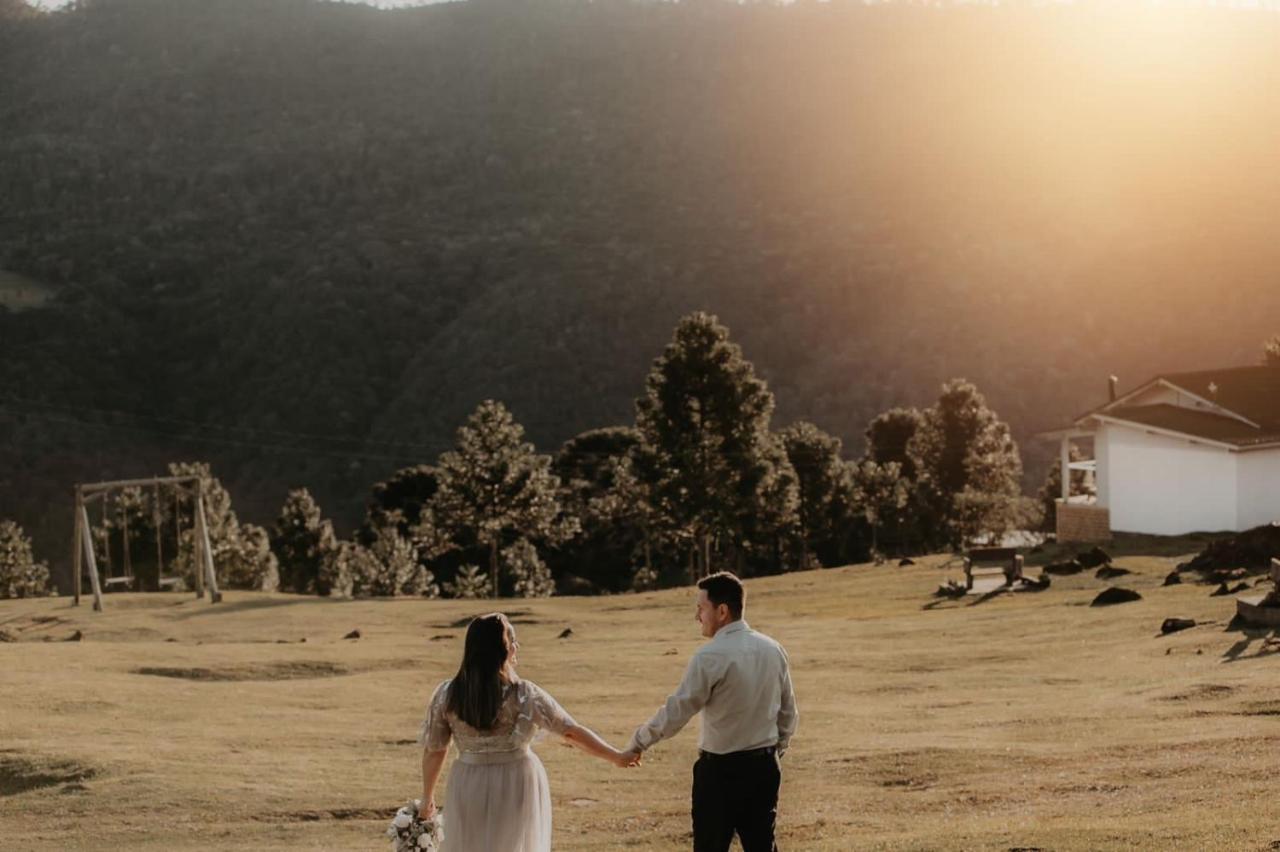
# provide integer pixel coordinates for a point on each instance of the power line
(248, 431)
(208, 439)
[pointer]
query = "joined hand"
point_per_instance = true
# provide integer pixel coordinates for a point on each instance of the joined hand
(627, 759)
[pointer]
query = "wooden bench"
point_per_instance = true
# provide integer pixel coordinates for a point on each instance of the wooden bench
(1007, 559)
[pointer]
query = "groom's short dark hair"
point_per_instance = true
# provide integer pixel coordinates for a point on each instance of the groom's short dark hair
(725, 588)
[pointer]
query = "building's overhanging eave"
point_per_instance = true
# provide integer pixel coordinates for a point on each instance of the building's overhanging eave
(1163, 382)
(1169, 433)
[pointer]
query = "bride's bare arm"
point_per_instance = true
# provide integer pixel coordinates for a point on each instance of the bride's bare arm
(432, 763)
(590, 742)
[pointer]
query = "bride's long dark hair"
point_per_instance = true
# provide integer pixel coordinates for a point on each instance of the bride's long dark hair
(475, 696)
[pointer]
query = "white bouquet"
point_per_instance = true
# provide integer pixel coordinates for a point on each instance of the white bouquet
(410, 833)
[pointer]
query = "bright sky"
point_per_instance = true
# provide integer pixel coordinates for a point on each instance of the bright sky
(387, 4)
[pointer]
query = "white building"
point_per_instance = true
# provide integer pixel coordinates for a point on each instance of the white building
(1183, 452)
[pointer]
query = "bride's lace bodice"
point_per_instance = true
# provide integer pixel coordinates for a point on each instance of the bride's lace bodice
(526, 707)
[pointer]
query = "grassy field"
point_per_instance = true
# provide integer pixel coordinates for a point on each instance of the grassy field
(1018, 721)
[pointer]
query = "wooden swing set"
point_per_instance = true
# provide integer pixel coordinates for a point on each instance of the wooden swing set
(82, 553)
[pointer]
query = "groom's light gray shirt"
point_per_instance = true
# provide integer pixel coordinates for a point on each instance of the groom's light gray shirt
(741, 683)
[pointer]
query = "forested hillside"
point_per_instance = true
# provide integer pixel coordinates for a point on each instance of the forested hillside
(302, 241)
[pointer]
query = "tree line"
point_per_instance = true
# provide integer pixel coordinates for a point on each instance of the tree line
(700, 481)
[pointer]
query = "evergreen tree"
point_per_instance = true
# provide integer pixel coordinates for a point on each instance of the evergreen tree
(20, 575)
(495, 489)
(340, 567)
(704, 419)
(962, 447)
(246, 562)
(626, 513)
(389, 568)
(881, 491)
(815, 456)
(408, 491)
(301, 541)
(585, 460)
(242, 555)
(889, 437)
(770, 520)
(589, 466)
(529, 574)
(469, 582)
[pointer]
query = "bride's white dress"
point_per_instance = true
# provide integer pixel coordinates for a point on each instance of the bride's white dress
(497, 798)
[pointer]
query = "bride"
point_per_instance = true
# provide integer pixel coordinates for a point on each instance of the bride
(497, 796)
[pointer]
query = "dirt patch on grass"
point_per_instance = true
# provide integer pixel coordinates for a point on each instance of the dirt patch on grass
(22, 774)
(286, 670)
(329, 814)
(924, 769)
(250, 671)
(515, 616)
(1202, 692)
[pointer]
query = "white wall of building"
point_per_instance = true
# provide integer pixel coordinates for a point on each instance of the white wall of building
(1258, 497)
(1160, 484)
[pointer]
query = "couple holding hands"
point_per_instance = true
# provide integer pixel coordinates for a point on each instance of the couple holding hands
(498, 798)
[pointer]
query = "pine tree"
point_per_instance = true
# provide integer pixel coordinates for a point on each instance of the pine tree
(962, 447)
(588, 466)
(241, 554)
(20, 575)
(881, 492)
(246, 561)
(301, 541)
(469, 582)
(704, 420)
(529, 573)
(407, 491)
(625, 509)
(771, 518)
(815, 456)
(889, 437)
(495, 489)
(389, 567)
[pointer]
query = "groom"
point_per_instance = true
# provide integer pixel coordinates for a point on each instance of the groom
(741, 683)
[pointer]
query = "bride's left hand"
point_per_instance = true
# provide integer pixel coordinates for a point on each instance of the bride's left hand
(626, 759)
(428, 809)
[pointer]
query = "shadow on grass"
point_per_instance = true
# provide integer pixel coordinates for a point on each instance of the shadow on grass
(250, 604)
(1131, 544)
(1264, 641)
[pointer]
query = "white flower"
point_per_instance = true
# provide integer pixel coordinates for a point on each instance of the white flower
(424, 840)
(402, 820)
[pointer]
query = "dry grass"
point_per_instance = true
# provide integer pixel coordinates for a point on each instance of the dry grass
(1027, 721)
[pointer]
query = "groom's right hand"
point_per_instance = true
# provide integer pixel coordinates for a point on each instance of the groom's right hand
(630, 757)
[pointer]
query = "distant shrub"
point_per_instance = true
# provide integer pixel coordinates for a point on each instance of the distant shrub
(20, 575)
(470, 582)
(389, 568)
(531, 575)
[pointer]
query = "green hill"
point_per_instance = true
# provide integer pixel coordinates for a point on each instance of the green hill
(303, 240)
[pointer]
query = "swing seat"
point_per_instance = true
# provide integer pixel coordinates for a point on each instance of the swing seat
(111, 583)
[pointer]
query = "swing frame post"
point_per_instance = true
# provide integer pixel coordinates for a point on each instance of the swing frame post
(82, 555)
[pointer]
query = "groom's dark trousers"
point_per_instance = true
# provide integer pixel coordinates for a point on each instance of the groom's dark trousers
(735, 793)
